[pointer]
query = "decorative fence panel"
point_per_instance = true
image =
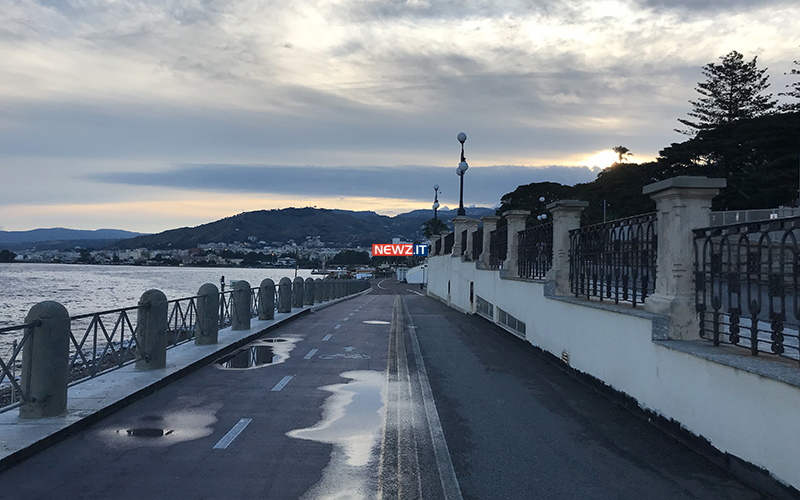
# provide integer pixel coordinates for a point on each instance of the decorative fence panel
(449, 240)
(463, 242)
(498, 247)
(477, 243)
(535, 251)
(438, 250)
(615, 260)
(747, 287)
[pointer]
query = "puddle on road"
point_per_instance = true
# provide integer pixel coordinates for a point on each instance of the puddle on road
(260, 353)
(162, 430)
(352, 421)
(377, 322)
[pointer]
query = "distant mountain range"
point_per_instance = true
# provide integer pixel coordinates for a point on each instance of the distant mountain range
(338, 228)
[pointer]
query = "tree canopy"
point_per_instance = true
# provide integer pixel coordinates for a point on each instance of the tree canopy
(793, 92)
(733, 90)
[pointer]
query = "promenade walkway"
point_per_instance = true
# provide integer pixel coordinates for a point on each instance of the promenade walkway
(386, 395)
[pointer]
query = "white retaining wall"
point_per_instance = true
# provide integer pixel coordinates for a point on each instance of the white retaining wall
(739, 412)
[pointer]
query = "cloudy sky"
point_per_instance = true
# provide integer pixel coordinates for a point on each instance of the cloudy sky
(148, 115)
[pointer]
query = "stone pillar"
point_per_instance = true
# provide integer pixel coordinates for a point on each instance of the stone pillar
(460, 223)
(566, 217)
(489, 225)
(326, 290)
(471, 226)
(266, 303)
(151, 332)
(516, 223)
(285, 298)
(45, 361)
(338, 289)
(308, 292)
(434, 239)
(240, 316)
(297, 292)
(207, 328)
(683, 203)
(319, 290)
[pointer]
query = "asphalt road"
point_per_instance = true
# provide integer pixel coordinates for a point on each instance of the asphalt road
(389, 395)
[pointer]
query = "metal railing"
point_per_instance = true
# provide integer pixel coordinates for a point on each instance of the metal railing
(614, 260)
(477, 243)
(106, 340)
(449, 240)
(464, 242)
(747, 285)
(535, 249)
(10, 390)
(498, 247)
(438, 249)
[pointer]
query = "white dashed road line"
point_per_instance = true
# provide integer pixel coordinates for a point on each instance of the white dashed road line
(310, 354)
(228, 438)
(327, 337)
(337, 327)
(280, 385)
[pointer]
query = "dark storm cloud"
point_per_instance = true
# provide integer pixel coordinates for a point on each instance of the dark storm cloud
(483, 185)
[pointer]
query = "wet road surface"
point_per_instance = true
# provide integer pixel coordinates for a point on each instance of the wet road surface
(388, 395)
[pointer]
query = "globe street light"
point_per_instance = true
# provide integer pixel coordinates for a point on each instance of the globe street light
(462, 168)
(435, 200)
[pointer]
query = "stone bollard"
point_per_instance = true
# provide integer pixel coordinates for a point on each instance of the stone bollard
(327, 294)
(566, 217)
(151, 332)
(285, 299)
(297, 292)
(318, 291)
(434, 239)
(45, 361)
(339, 289)
(207, 329)
(472, 226)
(309, 292)
(266, 303)
(241, 313)
(459, 225)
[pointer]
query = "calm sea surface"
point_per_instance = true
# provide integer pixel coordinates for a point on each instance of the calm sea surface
(85, 289)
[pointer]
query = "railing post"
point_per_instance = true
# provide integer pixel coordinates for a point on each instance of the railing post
(471, 226)
(297, 292)
(434, 239)
(207, 329)
(326, 290)
(45, 361)
(308, 292)
(683, 204)
(459, 223)
(240, 316)
(151, 331)
(266, 306)
(319, 290)
(566, 217)
(516, 223)
(285, 303)
(489, 225)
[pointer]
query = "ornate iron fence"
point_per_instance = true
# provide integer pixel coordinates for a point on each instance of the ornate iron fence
(464, 242)
(746, 285)
(438, 250)
(498, 247)
(615, 260)
(477, 243)
(449, 240)
(535, 251)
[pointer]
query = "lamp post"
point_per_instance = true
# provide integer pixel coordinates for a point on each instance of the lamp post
(460, 170)
(435, 200)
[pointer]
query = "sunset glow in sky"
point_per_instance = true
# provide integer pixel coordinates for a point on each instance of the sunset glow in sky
(148, 115)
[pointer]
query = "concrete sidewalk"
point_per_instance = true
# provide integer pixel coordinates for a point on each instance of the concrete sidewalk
(92, 399)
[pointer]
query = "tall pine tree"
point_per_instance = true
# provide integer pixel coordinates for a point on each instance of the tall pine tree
(733, 91)
(795, 92)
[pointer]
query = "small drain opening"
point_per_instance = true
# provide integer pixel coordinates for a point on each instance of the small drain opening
(148, 432)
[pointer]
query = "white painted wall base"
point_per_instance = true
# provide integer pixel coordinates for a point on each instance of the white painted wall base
(746, 414)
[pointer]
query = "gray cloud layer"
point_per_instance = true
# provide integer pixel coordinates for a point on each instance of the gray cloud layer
(482, 186)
